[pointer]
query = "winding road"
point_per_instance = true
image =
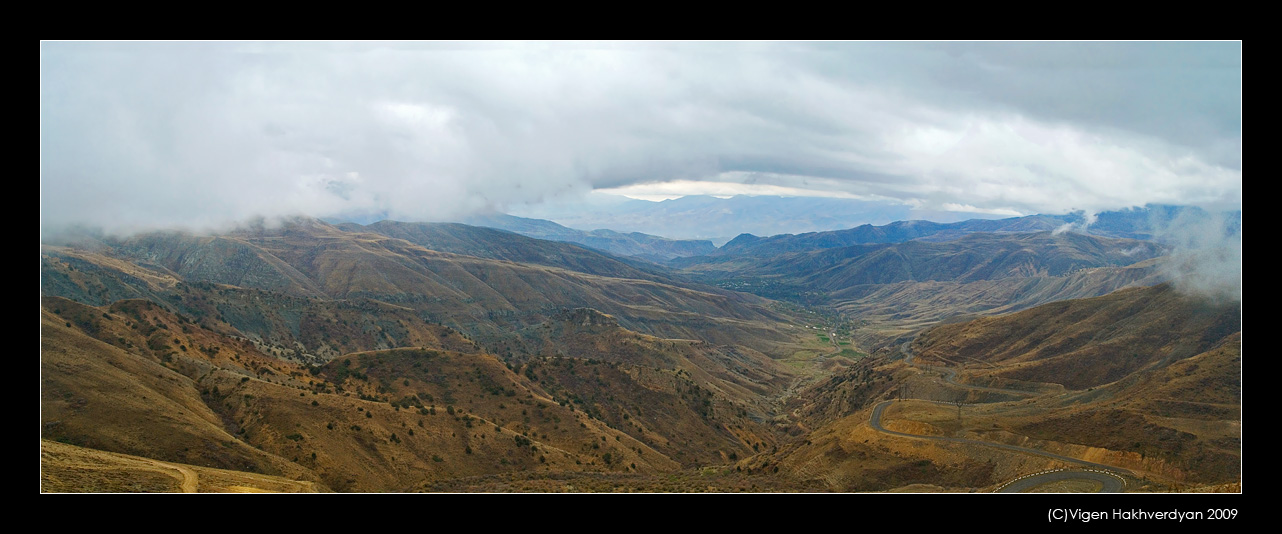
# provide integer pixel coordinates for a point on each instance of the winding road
(1103, 474)
(875, 422)
(1109, 482)
(186, 477)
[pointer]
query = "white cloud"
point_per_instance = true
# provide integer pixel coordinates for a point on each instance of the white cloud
(966, 208)
(723, 189)
(197, 133)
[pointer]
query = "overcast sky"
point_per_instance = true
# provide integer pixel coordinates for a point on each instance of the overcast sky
(137, 135)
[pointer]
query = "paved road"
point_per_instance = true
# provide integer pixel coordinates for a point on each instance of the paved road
(1111, 483)
(875, 422)
(1104, 474)
(950, 376)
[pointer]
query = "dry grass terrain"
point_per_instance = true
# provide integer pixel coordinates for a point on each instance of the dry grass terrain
(1146, 380)
(67, 468)
(310, 358)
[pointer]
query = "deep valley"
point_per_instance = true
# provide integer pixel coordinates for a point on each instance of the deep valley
(409, 357)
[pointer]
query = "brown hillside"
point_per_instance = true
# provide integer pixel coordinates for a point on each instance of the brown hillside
(693, 401)
(1088, 342)
(292, 268)
(372, 421)
(67, 468)
(97, 395)
(1146, 380)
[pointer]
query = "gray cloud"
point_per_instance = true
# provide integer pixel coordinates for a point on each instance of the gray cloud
(198, 134)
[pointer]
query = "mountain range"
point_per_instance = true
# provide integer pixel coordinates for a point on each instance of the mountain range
(838, 220)
(395, 356)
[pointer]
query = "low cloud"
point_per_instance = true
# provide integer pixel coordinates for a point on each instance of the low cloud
(1088, 218)
(1206, 259)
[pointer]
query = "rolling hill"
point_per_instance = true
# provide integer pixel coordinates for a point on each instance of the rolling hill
(1145, 380)
(136, 379)
(893, 290)
(308, 265)
(444, 357)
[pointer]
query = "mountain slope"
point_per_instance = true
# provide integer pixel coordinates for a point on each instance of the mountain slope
(1146, 380)
(894, 289)
(1089, 342)
(495, 244)
(318, 355)
(136, 379)
(486, 297)
(352, 360)
(128, 397)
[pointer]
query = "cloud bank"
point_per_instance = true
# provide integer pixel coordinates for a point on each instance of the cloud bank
(137, 135)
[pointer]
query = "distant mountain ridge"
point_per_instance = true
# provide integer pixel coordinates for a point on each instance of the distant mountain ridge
(769, 216)
(899, 287)
(649, 247)
(1148, 223)
(976, 256)
(896, 232)
(494, 280)
(719, 219)
(708, 217)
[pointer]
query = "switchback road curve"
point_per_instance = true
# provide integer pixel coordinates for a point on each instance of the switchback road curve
(875, 422)
(1109, 482)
